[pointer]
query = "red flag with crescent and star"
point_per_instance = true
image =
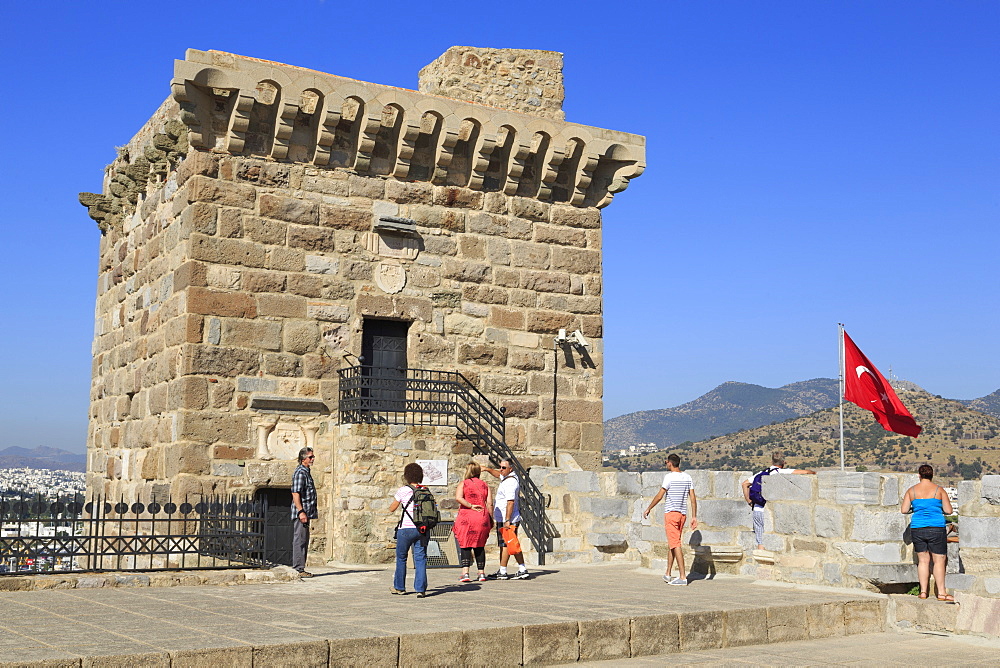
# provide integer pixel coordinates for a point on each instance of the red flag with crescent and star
(866, 387)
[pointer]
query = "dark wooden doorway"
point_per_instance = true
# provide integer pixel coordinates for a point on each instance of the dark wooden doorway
(383, 346)
(277, 525)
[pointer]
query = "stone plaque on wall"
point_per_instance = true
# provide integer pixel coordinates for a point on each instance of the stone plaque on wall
(392, 245)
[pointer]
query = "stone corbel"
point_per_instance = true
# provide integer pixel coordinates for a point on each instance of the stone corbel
(370, 126)
(446, 152)
(264, 429)
(585, 174)
(551, 171)
(240, 122)
(283, 129)
(407, 144)
(619, 182)
(186, 94)
(327, 133)
(486, 144)
(518, 154)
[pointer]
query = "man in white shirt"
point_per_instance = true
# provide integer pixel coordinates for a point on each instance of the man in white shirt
(679, 490)
(507, 513)
(777, 466)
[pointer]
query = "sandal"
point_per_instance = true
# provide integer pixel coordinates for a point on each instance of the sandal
(947, 598)
(922, 594)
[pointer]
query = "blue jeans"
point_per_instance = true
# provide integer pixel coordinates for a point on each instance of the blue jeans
(404, 539)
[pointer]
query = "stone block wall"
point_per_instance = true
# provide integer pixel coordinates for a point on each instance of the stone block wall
(839, 529)
(368, 462)
(522, 80)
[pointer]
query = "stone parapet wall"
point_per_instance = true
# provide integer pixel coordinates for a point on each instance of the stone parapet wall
(839, 529)
(979, 523)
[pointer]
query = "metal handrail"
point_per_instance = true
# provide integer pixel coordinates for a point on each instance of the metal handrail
(428, 397)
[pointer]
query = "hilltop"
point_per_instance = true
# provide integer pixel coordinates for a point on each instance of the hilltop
(990, 404)
(958, 440)
(42, 457)
(729, 407)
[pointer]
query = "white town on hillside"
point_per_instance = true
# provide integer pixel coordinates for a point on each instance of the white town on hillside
(50, 483)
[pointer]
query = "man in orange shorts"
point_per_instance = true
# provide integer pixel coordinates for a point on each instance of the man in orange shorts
(679, 490)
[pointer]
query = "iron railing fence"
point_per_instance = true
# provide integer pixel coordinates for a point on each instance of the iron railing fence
(81, 534)
(376, 395)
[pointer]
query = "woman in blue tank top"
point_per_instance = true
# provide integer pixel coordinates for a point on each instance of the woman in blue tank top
(929, 504)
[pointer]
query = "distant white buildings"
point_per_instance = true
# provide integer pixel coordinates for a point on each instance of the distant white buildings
(47, 482)
(637, 449)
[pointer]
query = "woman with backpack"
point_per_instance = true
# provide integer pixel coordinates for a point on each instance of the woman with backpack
(473, 522)
(929, 504)
(408, 535)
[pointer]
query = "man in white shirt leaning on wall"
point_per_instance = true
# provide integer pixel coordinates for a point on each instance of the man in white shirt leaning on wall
(679, 489)
(754, 496)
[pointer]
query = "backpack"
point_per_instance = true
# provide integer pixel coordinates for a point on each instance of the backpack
(755, 492)
(425, 515)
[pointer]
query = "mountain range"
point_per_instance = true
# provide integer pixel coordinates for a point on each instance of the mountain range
(990, 404)
(42, 457)
(735, 406)
(729, 407)
(957, 440)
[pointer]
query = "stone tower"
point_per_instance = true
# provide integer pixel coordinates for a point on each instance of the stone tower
(270, 222)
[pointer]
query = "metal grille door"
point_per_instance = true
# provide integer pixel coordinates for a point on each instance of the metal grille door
(383, 345)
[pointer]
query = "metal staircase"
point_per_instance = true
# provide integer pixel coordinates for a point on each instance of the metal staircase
(426, 397)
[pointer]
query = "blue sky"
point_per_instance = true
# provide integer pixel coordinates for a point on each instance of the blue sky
(808, 163)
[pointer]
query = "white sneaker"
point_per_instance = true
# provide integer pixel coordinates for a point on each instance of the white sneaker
(678, 581)
(668, 579)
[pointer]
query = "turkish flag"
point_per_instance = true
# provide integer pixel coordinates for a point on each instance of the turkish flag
(866, 387)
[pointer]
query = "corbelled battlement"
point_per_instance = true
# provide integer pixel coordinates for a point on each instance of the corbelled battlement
(229, 104)
(243, 106)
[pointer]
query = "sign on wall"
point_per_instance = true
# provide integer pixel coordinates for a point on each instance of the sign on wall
(435, 471)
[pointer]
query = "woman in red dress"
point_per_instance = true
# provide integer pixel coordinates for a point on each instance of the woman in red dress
(474, 521)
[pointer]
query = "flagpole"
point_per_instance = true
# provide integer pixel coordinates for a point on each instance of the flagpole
(840, 326)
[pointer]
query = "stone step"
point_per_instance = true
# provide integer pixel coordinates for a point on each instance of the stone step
(973, 614)
(923, 614)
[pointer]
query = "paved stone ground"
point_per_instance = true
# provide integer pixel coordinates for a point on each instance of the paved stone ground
(248, 624)
(876, 649)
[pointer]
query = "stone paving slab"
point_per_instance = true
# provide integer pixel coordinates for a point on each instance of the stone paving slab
(44, 581)
(876, 649)
(346, 616)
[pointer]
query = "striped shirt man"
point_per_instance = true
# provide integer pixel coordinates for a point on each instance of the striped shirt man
(677, 484)
(677, 492)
